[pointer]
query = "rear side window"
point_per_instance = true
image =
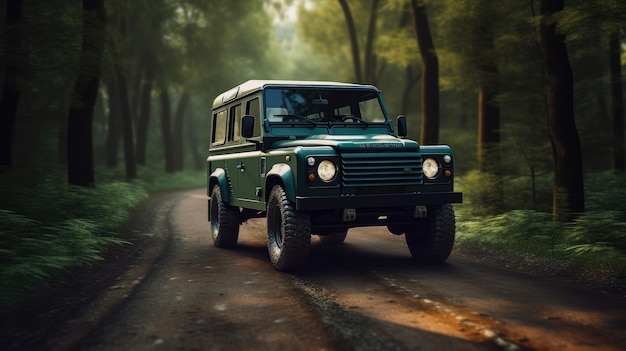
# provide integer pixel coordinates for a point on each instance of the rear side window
(219, 127)
(234, 132)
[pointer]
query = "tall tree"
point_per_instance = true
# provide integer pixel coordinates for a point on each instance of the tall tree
(430, 74)
(80, 166)
(397, 47)
(370, 71)
(10, 98)
(568, 190)
(144, 114)
(617, 102)
(113, 128)
(127, 124)
(488, 108)
(166, 131)
(489, 160)
(354, 42)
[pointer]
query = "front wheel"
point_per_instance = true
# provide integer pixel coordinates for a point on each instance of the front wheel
(288, 232)
(432, 238)
(224, 219)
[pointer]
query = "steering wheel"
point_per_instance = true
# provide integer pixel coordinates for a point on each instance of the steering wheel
(354, 118)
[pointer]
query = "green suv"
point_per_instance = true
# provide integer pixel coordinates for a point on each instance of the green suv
(320, 158)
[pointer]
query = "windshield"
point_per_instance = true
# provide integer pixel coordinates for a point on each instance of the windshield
(315, 105)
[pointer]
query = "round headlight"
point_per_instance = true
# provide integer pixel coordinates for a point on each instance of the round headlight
(430, 167)
(327, 170)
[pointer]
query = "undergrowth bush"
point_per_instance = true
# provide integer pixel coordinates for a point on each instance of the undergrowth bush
(47, 227)
(594, 243)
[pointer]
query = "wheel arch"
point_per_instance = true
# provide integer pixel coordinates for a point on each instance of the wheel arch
(219, 177)
(281, 174)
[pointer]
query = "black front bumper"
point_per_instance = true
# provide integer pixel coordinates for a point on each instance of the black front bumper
(370, 201)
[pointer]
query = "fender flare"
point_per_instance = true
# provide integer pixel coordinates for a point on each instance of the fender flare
(219, 177)
(281, 173)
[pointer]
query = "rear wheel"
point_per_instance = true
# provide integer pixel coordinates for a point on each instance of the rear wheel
(225, 220)
(432, 238)
(288, 232)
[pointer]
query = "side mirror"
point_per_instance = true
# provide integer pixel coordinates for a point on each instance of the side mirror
(247, 126)
(402, 128)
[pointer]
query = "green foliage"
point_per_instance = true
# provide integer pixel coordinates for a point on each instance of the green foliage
(518, 230)
(593, 244)
(481, 193)
(597, 232)
(48, 229)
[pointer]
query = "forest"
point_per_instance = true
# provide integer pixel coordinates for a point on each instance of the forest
(104, 102)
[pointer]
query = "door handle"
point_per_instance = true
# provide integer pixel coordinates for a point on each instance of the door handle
(241, 167)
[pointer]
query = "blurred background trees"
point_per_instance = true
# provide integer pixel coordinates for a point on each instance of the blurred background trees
(151, 63)
(157, 66)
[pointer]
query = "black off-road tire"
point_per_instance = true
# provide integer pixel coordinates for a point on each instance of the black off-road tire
(288, 232)
(334, 238)
(432, 239)
(225, 220)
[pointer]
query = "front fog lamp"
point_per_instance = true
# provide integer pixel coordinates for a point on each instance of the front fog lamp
(430, 167)
(326, 170)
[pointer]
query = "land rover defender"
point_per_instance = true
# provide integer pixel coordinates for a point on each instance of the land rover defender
(319, 158)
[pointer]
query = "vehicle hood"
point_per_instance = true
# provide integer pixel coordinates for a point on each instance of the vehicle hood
(351, 142)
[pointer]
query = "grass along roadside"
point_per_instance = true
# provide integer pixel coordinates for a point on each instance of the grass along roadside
(49, 227)
(592, 247)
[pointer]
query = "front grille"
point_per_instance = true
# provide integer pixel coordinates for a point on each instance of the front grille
(381, 172)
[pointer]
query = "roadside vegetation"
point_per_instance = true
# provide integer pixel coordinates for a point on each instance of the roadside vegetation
(47, 229)
(593, 245)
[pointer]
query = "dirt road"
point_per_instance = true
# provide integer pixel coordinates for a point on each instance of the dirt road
(366, 294)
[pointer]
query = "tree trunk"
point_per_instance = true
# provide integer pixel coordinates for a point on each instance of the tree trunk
(488, 109)
(370, 58)
(178, 141)
(488, 132)
(354, 42)
(113, 132)
(430, 75)
(619, 159)
(411, 78)
(168, 150)
(127, 125)
(568, 192)
(144, 117)
(10, 98)
(489, 162)
(80, 168)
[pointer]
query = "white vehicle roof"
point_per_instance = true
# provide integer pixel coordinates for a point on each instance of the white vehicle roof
(252, 86)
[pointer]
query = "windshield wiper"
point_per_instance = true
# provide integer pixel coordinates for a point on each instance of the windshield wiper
(296, 116)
